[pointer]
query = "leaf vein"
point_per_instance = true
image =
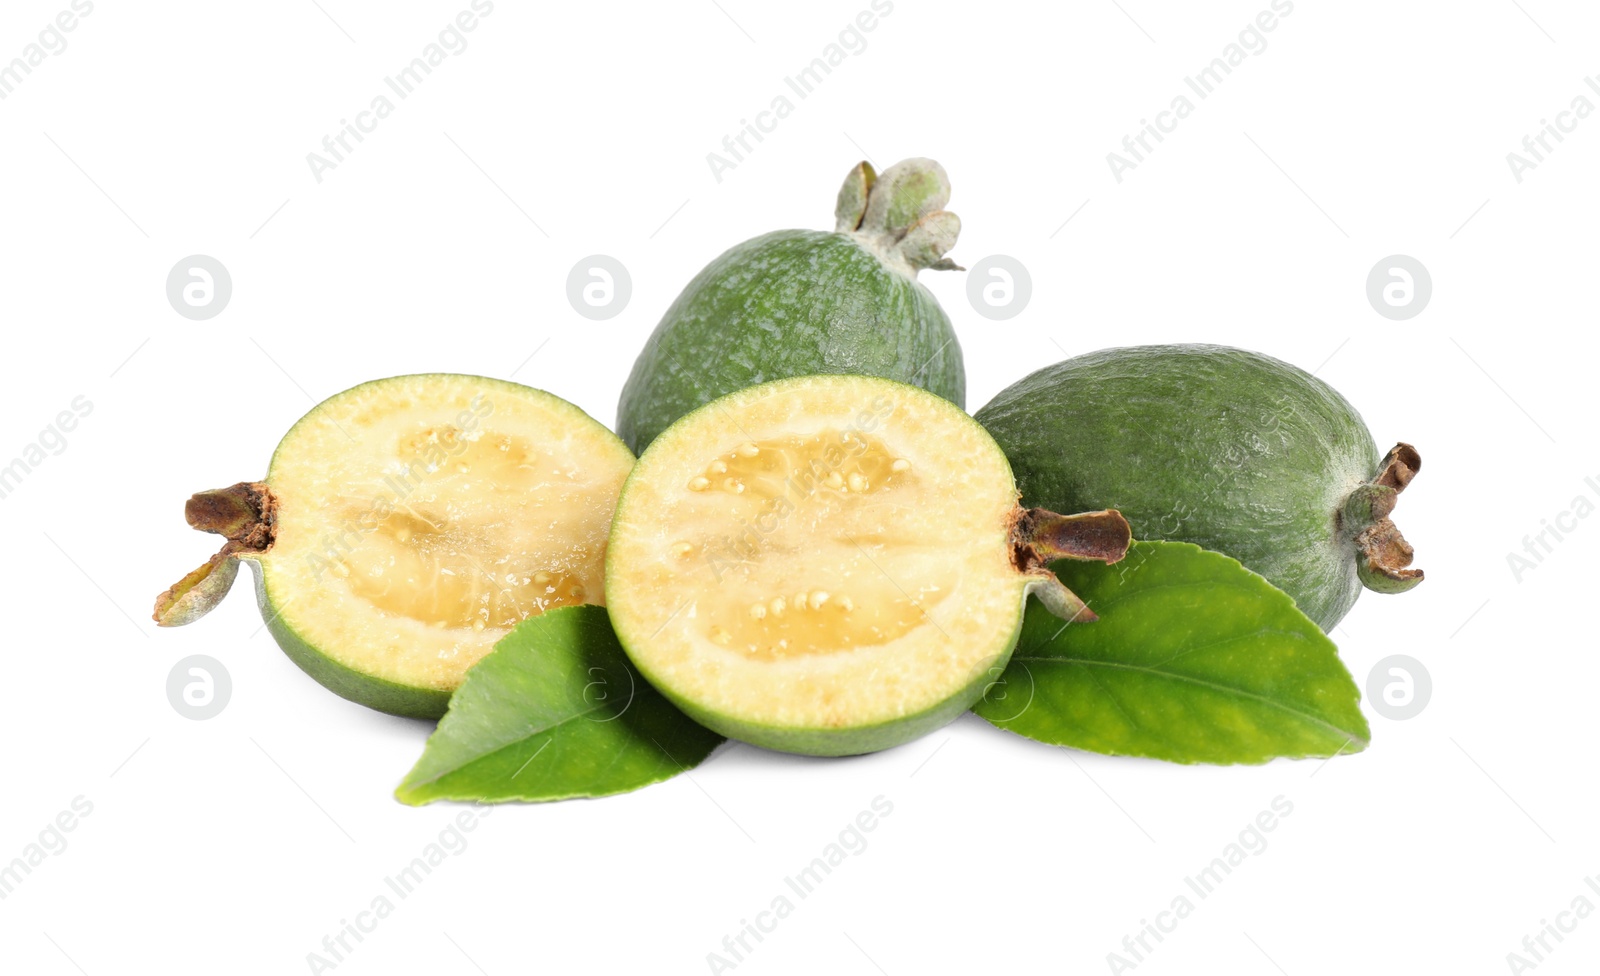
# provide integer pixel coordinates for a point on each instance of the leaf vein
(1303, 715)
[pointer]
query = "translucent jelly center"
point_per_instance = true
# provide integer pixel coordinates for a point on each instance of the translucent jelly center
(461, 538)
(814, 546)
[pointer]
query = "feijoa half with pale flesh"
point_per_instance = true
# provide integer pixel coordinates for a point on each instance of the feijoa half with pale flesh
(832, 564)
(408, 524)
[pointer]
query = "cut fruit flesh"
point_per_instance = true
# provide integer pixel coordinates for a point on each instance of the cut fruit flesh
(828, 564)
(417, 520)
(825, 603)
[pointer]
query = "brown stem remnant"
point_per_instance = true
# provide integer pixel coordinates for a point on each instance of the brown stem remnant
(247, 516)
(1039, 537)
(1383, 556)
(1399, 466)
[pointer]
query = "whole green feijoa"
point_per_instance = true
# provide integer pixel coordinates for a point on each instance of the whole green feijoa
(802, 302)
(1229, 449)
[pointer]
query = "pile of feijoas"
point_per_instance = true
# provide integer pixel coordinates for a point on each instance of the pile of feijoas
(817, 549)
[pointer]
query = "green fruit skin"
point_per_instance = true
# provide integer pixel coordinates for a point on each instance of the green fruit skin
(789, 303)
(856, 740)
(363, 689)
(1232, 450)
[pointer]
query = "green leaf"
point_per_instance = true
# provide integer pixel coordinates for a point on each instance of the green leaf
(556, 710)
(1194, 659)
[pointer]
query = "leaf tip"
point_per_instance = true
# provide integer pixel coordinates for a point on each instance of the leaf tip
(411, 795)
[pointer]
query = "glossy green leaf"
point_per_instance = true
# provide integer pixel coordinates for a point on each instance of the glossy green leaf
(555, 711)
(1194, 659)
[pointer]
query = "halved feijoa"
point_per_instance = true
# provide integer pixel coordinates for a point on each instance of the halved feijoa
(408, 524)
(832, 564)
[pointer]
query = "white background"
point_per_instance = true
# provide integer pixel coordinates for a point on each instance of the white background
(443, 242)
